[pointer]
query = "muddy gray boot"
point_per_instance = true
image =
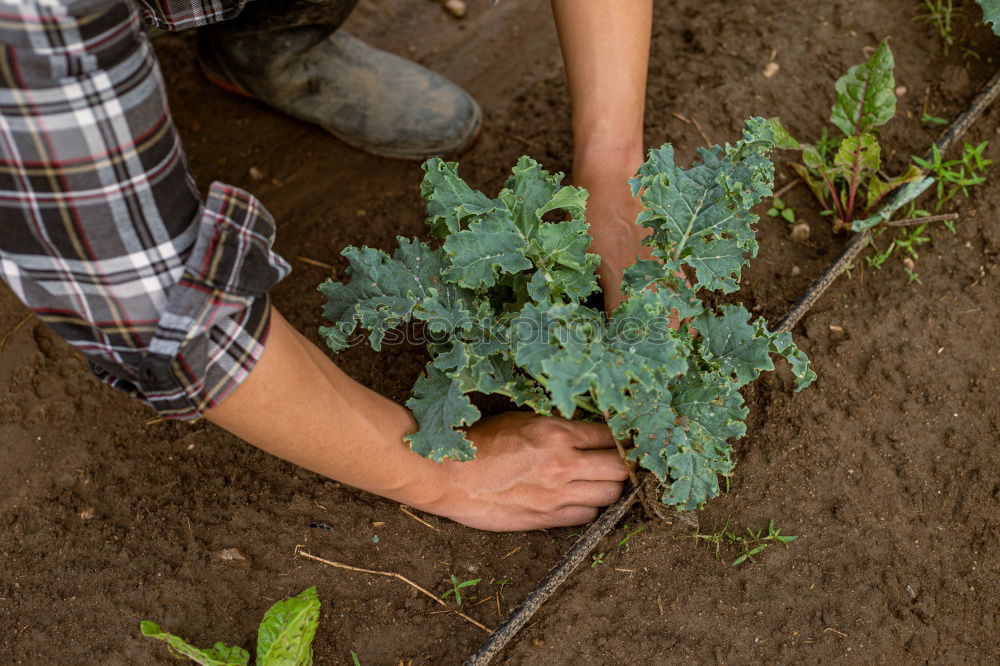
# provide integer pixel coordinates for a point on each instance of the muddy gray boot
(368, 98)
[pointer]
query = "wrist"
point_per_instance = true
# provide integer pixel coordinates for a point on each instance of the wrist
(423, 483)
(606, 159)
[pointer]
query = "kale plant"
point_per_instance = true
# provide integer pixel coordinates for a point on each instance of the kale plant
(501, 304)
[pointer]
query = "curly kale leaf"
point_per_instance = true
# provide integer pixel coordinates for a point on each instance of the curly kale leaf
(701, 216)
(682, 436)
(731, 344)
(440, 407)
(385, 292)
(449, 199)
(782, 344)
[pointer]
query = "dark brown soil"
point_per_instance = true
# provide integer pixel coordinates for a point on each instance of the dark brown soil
(887, 468)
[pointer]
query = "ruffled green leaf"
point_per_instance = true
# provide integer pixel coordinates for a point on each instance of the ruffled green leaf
(783, 345)
(564, 267)
(450, 200)
(383, 292)
(440, 407)
(701, 216)
(488, 247)
(730, 343)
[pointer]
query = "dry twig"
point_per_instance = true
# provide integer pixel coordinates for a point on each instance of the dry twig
(391, 574)
(697, 125)
(314, 262)
(14, 330)
(787, 187)
(418, 518)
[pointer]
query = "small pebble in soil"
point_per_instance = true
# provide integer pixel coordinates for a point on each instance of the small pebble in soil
(770, 69)
(256, 173)
(456, 8)
(319, 524)
(800, 231)
(231, 557)
(900, 91)
(88, 513)
(796, 271)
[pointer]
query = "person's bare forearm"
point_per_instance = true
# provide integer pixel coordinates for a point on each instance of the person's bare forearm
(299, 406)
(530, 471)
(606, 49)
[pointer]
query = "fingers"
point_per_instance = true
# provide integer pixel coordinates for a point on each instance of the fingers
(593, 493)
(591, 435)
(569, 516)
(600, 465)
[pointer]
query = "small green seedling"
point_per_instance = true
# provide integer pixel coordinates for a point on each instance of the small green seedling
(933, 120)
(284, 637)
(906, 241)
(755, 542)
(456, 588)
(954, 176)
(623, 544)
(779, 207)
(940, 14)
(597, 559)
(750, 544)
(354, 659)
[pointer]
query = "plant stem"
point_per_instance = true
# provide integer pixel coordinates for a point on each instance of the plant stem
(625, 460)
(833, 194)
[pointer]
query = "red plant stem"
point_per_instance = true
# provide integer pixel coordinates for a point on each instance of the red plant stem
(854, 184)
(833, 194)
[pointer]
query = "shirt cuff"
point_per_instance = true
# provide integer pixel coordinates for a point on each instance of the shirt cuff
(213, 329)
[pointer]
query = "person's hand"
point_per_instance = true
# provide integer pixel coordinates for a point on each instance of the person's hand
(611, 214)
(531, 472)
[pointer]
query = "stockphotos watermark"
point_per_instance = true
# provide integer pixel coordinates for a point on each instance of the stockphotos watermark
(520, 331)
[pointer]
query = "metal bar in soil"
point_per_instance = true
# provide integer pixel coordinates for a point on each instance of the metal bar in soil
(520, 616)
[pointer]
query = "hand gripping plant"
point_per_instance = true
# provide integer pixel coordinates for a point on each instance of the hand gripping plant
(501, 304)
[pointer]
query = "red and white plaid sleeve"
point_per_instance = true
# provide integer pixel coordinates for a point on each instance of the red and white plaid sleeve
(102, 231)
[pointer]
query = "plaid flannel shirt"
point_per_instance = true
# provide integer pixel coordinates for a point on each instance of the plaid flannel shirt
(102, 231)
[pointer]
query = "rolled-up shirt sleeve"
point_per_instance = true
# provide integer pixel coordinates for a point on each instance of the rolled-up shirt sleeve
(103, 233)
